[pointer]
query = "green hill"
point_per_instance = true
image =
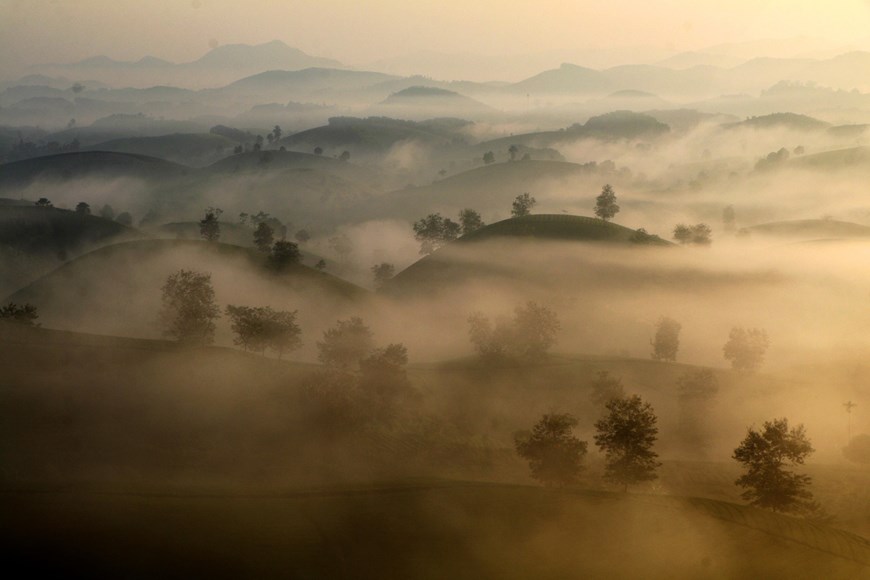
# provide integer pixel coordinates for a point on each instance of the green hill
(792, 121)
(116, 289)
(454, 262)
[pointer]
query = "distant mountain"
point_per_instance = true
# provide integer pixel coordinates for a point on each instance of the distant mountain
(310, 84)
(221, 65)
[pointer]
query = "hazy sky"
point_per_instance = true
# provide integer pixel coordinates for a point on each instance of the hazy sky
(362, 31)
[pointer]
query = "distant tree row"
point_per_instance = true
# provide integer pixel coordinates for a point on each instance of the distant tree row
(744, 349)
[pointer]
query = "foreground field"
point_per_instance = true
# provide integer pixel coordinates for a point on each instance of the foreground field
(414, 530)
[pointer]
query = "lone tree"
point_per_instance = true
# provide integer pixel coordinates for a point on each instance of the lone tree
(695, 392)
(626, 436)
(697, 235)
(345, 344)
(83, 208)
(555, 456)
(382, 273)
(470, 221)
(19, 313)
(302, 236)
(746, 348)
(666, 342)
(488, 157)
(209, 226)
(189, 308)
(283, 254)
(765, 456)
(523, 205)
(605, 388)
(433, 231)
(264, 235)
(605, 204)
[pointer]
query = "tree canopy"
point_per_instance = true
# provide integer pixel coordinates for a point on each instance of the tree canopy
(345, 344)
(666, 342)
(522, 205)
(189, 311)
(605, 204)
(554, 454)
(433, 231)
(626, 435)
(746, 348)
(765, 455)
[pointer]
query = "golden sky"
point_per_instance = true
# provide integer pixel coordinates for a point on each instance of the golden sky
(362, 31)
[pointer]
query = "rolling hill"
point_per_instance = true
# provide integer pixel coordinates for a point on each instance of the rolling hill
(421, 102)
(116, 289)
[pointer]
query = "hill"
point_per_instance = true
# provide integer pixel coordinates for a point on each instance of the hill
(419, 102)
(86, 164)
(194, 149)
(34, 240)
(791, 121)
(458, 261)
(116, 289)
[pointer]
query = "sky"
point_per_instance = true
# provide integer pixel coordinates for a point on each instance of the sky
(357, 32)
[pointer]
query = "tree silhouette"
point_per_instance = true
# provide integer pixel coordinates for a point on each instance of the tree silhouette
(555, 456)
(189, 308)
(470, 221)
(382, 273)
(264, 236)
(19, 313)
(765, 455)
(433, 231)
(605, 204)
(522, 205)
(666, 342)
(345, 344)
(488, 157)
(209, 226)
(626, 436)
(746, 348)
(284, 254)
(698, 234)
(83, 208)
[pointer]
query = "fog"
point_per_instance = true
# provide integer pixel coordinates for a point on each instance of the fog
(270, 309)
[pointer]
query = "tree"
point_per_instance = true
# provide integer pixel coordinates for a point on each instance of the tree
(276, 133)
(433, 231)
(125, 219)
(529, 335)
(626, 436)
(264, 235)
(106, 212)
(667, 339)
(345, 156)
(383, 381)
(318, 150)
(535, 328)
(345, 344)
(554, 454)
(488, 157)
(248, 324)
(746, 348)
(698, 234)
(523, 205)
(765, 456)
(302, 236)
(43, 202)
(189, 308)
(341, 245)
(19, 313)
(605, 204)
(209, 226)
(382, 273)
(512, 151)
(282, 331)
(83, 208)
(283, 254)
(470, 221)
(605, 388)
(695, 391)
(320, 265)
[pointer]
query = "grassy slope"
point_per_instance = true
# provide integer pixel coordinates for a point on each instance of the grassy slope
(424, 530)
(178, 148)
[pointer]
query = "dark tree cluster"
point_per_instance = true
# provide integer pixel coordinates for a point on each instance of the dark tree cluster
(666, 342)
(189, 310)
(433, 231)
(19, 313)
(527, 336)
(697, 235)
(259, 328)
